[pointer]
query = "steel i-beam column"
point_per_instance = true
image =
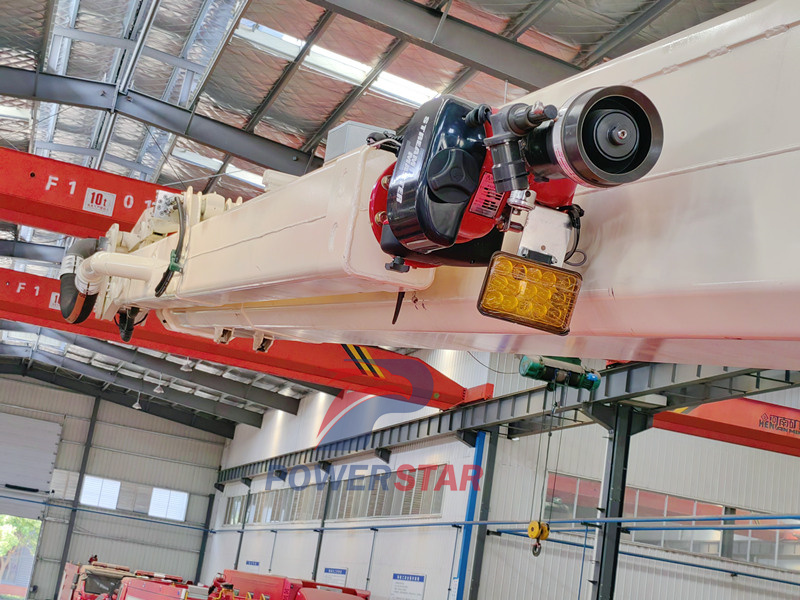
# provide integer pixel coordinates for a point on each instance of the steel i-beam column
(87, 447)
(248, 482)
(625, 421)
(325, 467)
(204, 542)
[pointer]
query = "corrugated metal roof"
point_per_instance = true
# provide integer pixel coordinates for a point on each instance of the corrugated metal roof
(222, 59)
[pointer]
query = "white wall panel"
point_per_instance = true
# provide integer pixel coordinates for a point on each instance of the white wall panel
(504, 374)
(43, 397)
(48, 553)
(158, 445)
(75, 429)
(789, 398)
(45, 571)
(510, 571)
(196, 510)
(426, 552)
(294, 556)
(220, 554)
(133, 447)
(137, 530)
(348, 550)
(256, 547)
(69, 456)
(7, 408)
(661, 461)
(665, 581)
(466, 370)
(684, 465)
(728, 474)
(136, 555)
(150, 471)
(280, 432)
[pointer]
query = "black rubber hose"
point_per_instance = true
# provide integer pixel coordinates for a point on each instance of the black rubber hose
(162, 285)
(76, 306)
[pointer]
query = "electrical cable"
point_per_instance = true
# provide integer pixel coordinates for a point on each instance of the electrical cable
(536, 469)
(555, 473)
(576, 239)
(178, 253)
(575, 213)
(578, 264)
(546, 460)
(475, 358)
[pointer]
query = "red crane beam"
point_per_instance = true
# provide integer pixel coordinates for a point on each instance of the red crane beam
(70, 199)
(32, 299)
(67, 198)
(741, 421)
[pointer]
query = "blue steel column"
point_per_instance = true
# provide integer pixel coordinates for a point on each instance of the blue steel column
(472, 500)
(486, 498)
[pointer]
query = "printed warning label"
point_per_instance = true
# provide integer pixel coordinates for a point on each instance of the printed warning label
(487, 200)
(99, 201)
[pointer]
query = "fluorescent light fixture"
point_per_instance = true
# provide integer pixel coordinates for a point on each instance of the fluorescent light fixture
(247, 176)
(213, 164)
(196, 159)
(336, 65)
(273, 42)
(15, 113)
(333, 64)
(403, 89)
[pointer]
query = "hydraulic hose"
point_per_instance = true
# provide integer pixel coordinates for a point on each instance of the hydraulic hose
(77, 298)
(175, 261)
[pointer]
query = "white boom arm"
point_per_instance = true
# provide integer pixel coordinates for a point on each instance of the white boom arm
(695, 262)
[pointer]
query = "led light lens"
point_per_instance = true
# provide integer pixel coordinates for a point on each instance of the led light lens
(529, 293)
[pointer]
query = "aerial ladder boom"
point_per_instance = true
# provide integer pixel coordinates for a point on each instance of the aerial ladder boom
(465, 235)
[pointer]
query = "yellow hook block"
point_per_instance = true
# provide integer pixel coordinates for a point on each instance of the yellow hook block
(538, 530)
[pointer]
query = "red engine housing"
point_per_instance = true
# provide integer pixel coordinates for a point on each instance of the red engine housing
(485, 206)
